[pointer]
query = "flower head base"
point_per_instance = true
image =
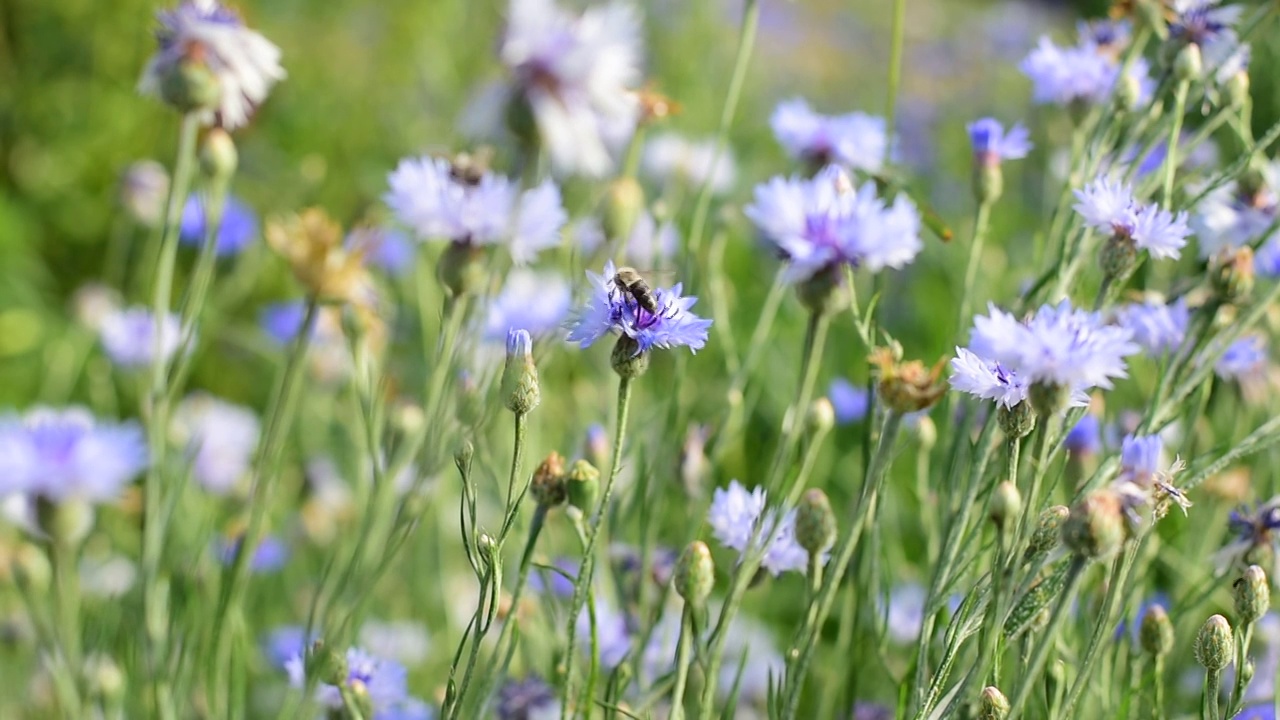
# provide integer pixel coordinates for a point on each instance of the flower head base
(1109, 205)
(519, 375)
(209, 62)
(820, 224)
(129, 337)
(614, 308)
(438, 202)
(907, 386)
(855, 140)
(63, 455)
(312, 243)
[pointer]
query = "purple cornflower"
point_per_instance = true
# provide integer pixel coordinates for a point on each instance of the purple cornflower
(576, 75)
(991, 144)
(1109, 206)
(67, 455)
(244, 63)
(1085, 73)
(428, 197)
(385, 681)
(528, 699)
(611, 308)
(128, 336)
(820, 224)
(1086, 437)
(1158, 327)
(851, 402)
(535, 301)
(1203, 22)
(1244, 358)
(220, 439)
(735, 512)
(855, 140)
(239, 226)
(270, 555)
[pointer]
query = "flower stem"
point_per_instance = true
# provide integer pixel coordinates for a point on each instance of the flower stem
(981, 222)
(66, 577)
(1048, 636)
(1171, 158)
(1209, 703)
(682, 664)
(202, 277)
(895, 71)
(502, 652)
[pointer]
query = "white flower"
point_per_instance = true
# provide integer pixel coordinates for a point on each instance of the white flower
(221, 438)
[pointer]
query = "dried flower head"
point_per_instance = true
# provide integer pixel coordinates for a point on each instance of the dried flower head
(312, 243)
(907, 386)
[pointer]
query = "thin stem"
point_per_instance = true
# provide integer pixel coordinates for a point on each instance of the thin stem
(201, 278)
(586, 567)
(1157, 711)
(66, 577)
(895, 70)
(1209, 703)
(1242, 656)
(526, 562)
(981, 222)
(682, 664)
(1033, 669)
(1171, 159)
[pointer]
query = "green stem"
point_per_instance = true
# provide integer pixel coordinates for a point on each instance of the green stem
(526, 562)
(586, 567)
(1157, 711)
(1242, 657)
(201, 278)
(895, 71)
(746, 42)
(66, 577)
(1033, 669)
(682, 664)
(1171, 159)
(1209, 703)
(981, 222)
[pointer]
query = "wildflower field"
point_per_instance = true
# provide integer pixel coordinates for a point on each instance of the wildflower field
(529, 359)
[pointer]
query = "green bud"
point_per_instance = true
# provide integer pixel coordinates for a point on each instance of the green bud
(695, 574)
(1238, 88)
(627, 359)
(31, 567)
(993, 705)
(1118, 258)
(363, 702)
(824, 293)
(1047, 399)
(988, 181)
(462, 456)
(1047, 533)
(821, 416)
(1018, 421)
(218, 158)
(103, 678)
(1247, 673)
(1128, 92)
(1006, 505)
(624, 199)
(583, 486)
(325, 664)
(190, 86)
(1215, 644)
(66, 522)
(462, 269)
(548, 484)
(1252, 595)
(1156, 634)
(520, 390)
(1095, 528)
(522, 123)
(1188, 66)
(815, 522)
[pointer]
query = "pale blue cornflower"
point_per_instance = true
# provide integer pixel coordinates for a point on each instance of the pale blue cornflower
(128, 336)
(613, 309)
(1108, 205)
(672, 158)
(1255, 534)
(855, 140)
(992, 144)
(820, 224)
(1086, 437)
(1158, 327)
(269, 556)
(528, 699)
(220, 439)
(68, 455)
(986, 379)
(1238, 212)
(1082, 74)
(1207, 24)
(283, 643)
(428, 197)
(537, 302)
(244, 63)
(238, 229)
(576, 74)
(851, 402)
(1243, 359)
(734, 514)
(385, 681)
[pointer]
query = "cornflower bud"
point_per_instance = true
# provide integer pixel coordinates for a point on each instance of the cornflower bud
(1252, 595)
(548, 484)
(695, 574)
(520, 389)
(1128, 92)
(462, 269)
(993, 705)
(66, 521)
(1156, 633)
(1215, 644)
(624, 199)
(1047, 399)
(988, 181)
(1238, 88)
(143, 189)
(326, 664)
(1018, 421)
(1118, 257)
(1006, 504)
(821, 416)
(627, 359)
(218, 158)
(1188, 65)
(583, 486)
(189, 85)
(1047, 534)
(103, 678)
(824, 293)
(1232, 275)
(907, 386)
(1095, 528)
(363, 702)
(31, 567)
(815, 522)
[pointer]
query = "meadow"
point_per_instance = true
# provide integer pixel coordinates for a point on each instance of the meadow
(556, 359)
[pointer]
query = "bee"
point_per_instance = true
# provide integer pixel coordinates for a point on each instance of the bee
(629, 280)
(469, 169)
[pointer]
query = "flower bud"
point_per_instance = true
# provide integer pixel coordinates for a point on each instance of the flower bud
(1156, 633)
(1117, 258)
(1215, 644)
(583, 486)
(1231, 274)
(1018, 421)
(1189, 63)
(988, 180)
(548, 484)
(326, 664)
(815, 522)
(31, 567)
(1128, 92)
(520, 389)
(695, 574)
(218, 158)
(1047, 399)
(624, 199)
(469, 403)
(824, 293)
(363, 701)
(821, 416)
(462, 456)
(993, 705)
(1238, 88)
(1047, 533)
(144, 189)
(103, 678)
(462, 269)
(1006, 505)
(190, 86)
(1095, 528)
(67, 522)
(1252, 595)
(627, 359)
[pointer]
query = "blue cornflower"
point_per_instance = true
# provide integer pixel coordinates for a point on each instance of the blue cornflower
(1141, 480)
(1086, 437)
(1109, 205)
(535, 301)
(991, 144)
(1244, 358)
(388, 250)
(67, 455)
(855, 140)
(220, 439)
(385, 681)
(1085, 73)
(239, 225)
(1140, 457)
(128, 336)
(611, 308)
(986, 379)
(284, 642)
(428, 197)
(1255, 525)
(1158, 327)
(270, 555)
(281, 321)
(1203, 22)
(528, 699)
(734, 513)
(822, 223)
(1238, 212)
(851, 402)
